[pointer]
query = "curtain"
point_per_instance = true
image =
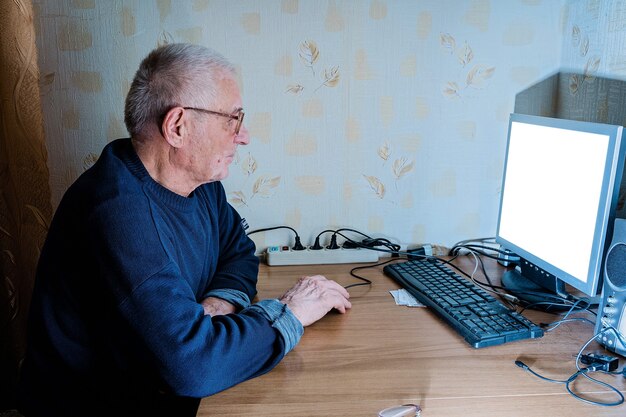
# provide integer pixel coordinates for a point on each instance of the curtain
(25, 204)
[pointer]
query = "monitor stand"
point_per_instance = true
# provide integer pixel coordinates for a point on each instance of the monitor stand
(536, 296)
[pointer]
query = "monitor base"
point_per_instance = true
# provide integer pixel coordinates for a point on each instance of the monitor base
(534, 296)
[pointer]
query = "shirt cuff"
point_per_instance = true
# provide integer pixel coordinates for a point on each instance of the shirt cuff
(282, 319)
(235, 297)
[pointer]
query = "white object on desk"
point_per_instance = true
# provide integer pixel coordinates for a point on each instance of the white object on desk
(407, 410)
(404, 298)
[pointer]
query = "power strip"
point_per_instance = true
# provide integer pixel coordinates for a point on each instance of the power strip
(277, 255)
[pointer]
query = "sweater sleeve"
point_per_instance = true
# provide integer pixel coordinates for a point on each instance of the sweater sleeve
(238, 265)
(282, 319)
(193, 354)
(237, 298)
(198, 355)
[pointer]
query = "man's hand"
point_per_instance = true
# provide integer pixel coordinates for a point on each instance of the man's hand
(214, 306)
(312, 297)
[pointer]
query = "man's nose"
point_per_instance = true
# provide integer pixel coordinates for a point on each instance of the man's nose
(243, 138)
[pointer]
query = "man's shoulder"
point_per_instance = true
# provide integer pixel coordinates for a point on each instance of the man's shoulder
(110, 181)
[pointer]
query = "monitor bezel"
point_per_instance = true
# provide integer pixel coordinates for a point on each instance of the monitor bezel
(613, 171)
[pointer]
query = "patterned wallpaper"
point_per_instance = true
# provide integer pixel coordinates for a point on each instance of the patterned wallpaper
(386, 116)
(594, 42)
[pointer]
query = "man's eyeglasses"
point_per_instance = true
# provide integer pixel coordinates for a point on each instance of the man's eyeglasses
(237, 116)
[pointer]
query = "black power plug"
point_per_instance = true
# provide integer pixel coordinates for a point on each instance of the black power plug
(349, 244)
(333, 243)
(371, 242)
(599, 362)
(298, 244)
(316, 245)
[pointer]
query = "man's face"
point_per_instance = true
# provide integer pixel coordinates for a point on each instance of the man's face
(213, 142)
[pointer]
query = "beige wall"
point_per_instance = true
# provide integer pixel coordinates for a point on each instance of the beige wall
(396, 129)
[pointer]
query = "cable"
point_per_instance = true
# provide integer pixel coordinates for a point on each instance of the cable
(559, 322)
(296, 246)
(549, 305)
(317, 246)
(565, 303)
(365, 280)
(578, 357)
(368, 242)
(597, 366)
(581, 371)
(509, 299)
(570, 311)
(558, 300)
(478, 239)
(273, 228)
(489, 286)
(538, 375)
(455, 249)
(397, 252)
(353, 231)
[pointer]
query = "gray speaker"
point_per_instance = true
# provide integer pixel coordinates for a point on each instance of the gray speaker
(612, 309)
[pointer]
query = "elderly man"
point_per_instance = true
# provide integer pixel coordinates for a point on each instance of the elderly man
(142, 301)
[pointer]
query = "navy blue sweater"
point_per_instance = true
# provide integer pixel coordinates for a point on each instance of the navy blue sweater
(115, 322)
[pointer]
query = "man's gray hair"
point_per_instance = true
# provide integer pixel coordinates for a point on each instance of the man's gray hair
(177, 74)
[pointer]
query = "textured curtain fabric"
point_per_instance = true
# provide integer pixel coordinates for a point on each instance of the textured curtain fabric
(25, 208)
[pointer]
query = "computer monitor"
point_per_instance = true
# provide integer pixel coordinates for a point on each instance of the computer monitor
(559, 195)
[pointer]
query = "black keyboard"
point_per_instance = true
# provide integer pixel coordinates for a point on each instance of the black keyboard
(475, 314)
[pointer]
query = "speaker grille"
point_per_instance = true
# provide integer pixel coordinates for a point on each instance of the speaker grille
(616, 265)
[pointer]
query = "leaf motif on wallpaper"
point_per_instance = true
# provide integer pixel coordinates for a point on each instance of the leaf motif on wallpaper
(384, 151)
(165, 38)
(465, 55)
(47, 79)
(451, 90)
(309, 54)
(264, 185)
(584, 46)
(591, 67)
(249, 165)
(238, 198)
(331, 78)
(377, 186)
(401, 167)
(294, 88)
(575, 35)
(478, 76)
(89, 160)
(573, 84)
(447, 41)
(40, 218)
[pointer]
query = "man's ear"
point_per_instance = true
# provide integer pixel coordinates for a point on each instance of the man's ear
(172, 126)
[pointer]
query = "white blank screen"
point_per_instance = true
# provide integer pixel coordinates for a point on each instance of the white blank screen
(552, 192)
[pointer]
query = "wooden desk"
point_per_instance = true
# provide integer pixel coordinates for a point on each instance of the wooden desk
(379, 355)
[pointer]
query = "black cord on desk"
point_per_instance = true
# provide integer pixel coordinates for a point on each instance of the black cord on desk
(598, 367)
(365, 280)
